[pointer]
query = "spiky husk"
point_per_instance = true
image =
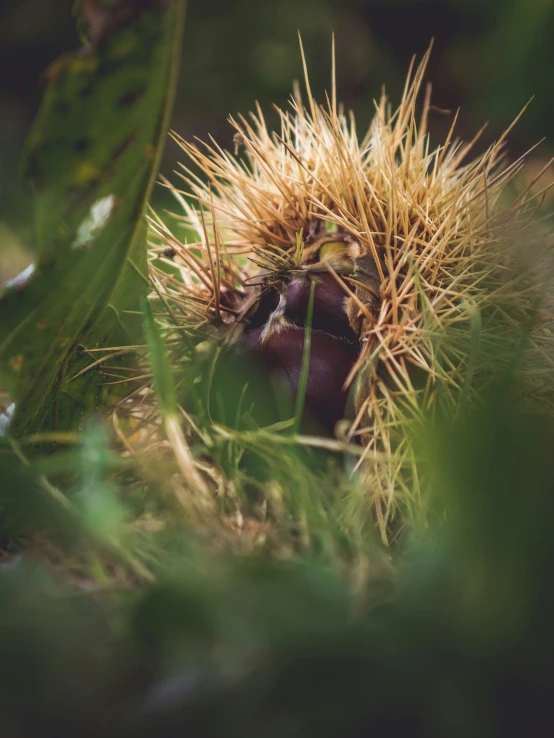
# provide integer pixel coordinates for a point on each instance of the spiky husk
(456, 297)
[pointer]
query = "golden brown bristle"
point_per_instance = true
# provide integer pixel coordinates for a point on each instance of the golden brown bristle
(418, 239)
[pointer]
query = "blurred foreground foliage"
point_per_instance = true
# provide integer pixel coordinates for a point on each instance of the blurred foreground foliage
(457, 642)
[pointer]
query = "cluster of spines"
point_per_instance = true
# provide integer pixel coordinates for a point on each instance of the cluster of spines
(431, 220)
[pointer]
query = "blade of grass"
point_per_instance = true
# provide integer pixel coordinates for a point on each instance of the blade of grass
(164, 388)
(305, 368)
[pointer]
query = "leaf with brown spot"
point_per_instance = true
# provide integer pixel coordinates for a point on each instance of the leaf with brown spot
(92, 161)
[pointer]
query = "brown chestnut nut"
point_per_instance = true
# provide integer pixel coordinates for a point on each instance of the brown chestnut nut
(329, 305)
(331, 359)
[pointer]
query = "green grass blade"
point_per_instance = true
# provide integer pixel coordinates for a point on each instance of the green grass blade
(305, 368)
(159, 362)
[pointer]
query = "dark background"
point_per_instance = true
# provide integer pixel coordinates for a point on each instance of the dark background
(490, 57)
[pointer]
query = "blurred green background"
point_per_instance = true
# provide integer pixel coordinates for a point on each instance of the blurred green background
(490, 57)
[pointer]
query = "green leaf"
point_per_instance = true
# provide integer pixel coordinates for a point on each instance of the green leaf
(161, 368)
(92, 156)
